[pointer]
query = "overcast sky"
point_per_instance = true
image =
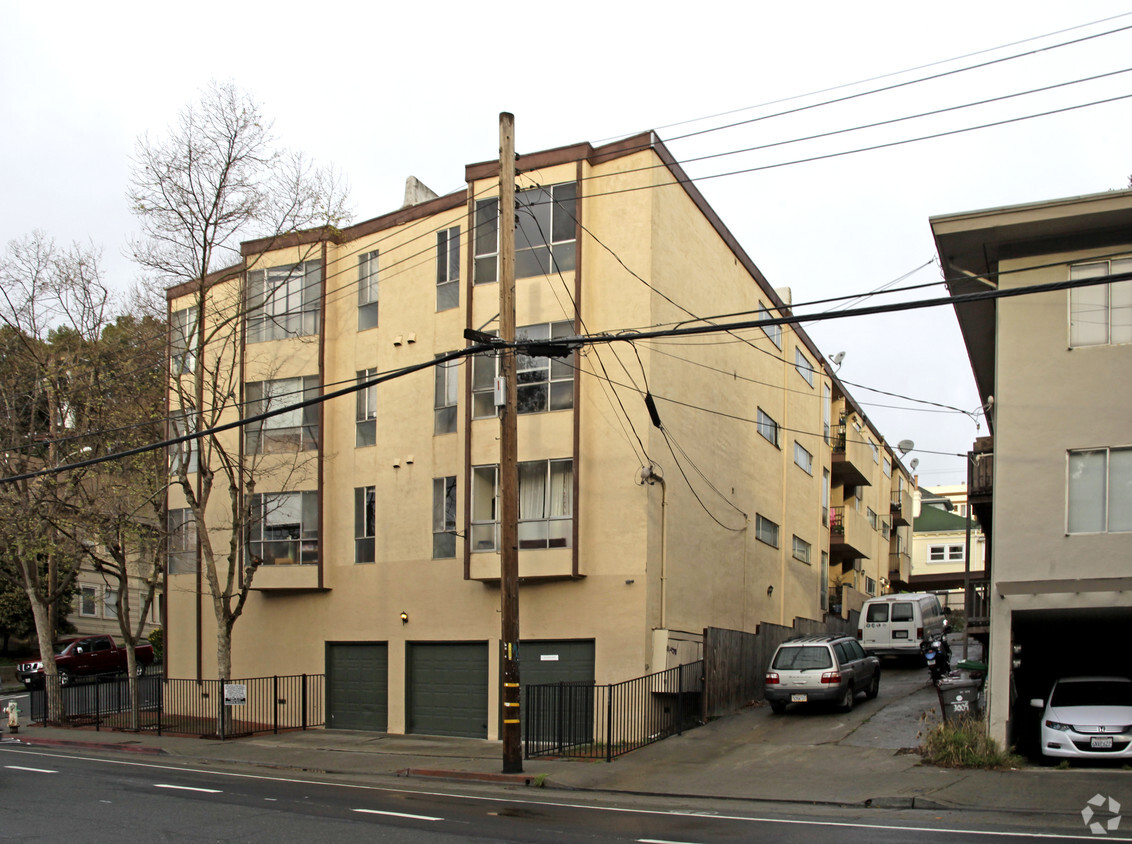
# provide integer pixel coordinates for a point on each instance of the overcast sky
(382, 93)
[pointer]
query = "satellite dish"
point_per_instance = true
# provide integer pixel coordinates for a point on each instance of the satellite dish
(915, 462)
(905, 446)
(837, 358)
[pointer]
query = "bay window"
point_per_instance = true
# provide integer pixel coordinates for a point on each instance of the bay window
(546, 505)
(293, 430)
(284, 302)
(1100, 491)
(284, 529)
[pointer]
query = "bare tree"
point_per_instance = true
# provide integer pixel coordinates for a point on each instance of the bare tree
(53, 307)
(216, 179)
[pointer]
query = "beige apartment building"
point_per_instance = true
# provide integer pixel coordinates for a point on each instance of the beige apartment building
(375, 554)
(1057, 364)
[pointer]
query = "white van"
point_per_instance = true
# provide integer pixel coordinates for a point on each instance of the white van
(894, 625)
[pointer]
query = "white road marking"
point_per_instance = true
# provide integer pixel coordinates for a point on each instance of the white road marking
(557, 805)
(396, 815)
(661, 841)
(33, 770)
(188, 788)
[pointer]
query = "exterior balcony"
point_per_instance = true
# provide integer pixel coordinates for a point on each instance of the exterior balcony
(899, 566)
(290, 565)
(901, 508)
(545, 551)
(850, 535)
(852, 459)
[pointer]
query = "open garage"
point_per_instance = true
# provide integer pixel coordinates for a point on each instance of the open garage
(1057, 643)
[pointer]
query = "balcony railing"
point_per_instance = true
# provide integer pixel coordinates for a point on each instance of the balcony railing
(978, 603)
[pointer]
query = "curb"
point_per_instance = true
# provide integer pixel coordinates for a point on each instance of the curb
(532, 780)
(92, 745)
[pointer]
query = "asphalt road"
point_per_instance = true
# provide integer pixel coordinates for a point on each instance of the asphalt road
(51, 796)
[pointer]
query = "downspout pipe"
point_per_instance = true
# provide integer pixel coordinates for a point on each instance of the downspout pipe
(649, 476)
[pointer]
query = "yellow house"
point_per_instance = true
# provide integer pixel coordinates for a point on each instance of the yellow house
(374, 555)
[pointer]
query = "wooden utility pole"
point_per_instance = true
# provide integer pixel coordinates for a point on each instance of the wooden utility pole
(508, 459)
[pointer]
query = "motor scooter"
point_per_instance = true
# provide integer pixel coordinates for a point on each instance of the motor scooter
(937, 655)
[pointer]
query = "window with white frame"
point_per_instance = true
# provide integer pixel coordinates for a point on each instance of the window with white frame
(284, 529)
(88, 601)
(801, 549)
(773, 332)
(1100, 314)
(885, 528)
(365, 425)
(871, 515)
(544, 384)
(827, 412)
(1100, 491)
(545, 238)
(803, 458)
(284, 302)
(546, 505)
(365, 523)
(887, 468)
(945, 552)
(767, 427)
(444, 517)
(182, 541)
(183, 455)
(109, 603)
(870, 586)
(803, 366)
(292, 430)
(825, 497)
(446, 396)
(448, 268)
(823, 585)
(183, 326)
(873, 448)
(766, 530)
(367, 290)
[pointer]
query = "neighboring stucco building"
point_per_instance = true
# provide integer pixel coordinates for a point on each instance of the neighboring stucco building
(1057, 365)
(377, 548)
(939, 545)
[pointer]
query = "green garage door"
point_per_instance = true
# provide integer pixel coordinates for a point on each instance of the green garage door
(557, 714)
(447, 689)
(357, 686)
(556, 661)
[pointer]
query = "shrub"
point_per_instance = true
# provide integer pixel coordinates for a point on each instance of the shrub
(964, 743)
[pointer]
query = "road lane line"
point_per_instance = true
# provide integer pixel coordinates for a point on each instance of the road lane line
(396, 815)
(33, 770)
(187, 788)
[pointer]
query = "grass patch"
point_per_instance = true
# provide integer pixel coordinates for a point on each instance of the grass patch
(964, 744)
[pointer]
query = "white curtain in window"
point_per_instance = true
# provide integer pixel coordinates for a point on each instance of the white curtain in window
(1120, 305)
(1086, 492)
(1120, 489)
(561, 489)
(532, 491)
(278, 394)
(1088, 307)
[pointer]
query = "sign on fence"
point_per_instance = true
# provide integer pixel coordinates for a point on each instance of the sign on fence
(235, 694)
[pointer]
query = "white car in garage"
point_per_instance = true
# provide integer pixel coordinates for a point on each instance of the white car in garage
(1087, 718)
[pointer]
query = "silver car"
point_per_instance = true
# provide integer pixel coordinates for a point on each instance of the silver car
(1087, 718)
(814, 669)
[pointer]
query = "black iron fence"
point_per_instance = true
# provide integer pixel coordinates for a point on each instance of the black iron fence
(593, 721)
(204, 708)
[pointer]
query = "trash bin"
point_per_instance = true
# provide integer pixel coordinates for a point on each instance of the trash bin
(959, 698)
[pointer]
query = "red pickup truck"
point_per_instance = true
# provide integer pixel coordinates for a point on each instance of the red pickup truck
(84, 657)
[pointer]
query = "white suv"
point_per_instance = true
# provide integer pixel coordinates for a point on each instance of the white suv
(811, 669)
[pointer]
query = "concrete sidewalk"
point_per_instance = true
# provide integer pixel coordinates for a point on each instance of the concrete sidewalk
(734, 757)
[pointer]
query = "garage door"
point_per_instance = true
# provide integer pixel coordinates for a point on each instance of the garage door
(556, 661)
(447, 689)
(559, 715)
(357, 686)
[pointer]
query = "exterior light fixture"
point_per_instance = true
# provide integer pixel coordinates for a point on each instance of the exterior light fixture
(404, 618)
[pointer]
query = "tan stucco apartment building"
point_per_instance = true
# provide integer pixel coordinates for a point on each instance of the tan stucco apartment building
(376, 551)
(1057, 364)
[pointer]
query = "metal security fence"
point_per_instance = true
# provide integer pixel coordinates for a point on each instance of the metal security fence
(187, 707)
(593, 721)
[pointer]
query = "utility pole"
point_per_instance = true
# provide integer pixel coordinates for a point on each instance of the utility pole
(508, 458)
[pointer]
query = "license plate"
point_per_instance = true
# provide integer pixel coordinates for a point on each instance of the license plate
(1101, 742)
(802, 699)
(899, 634)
